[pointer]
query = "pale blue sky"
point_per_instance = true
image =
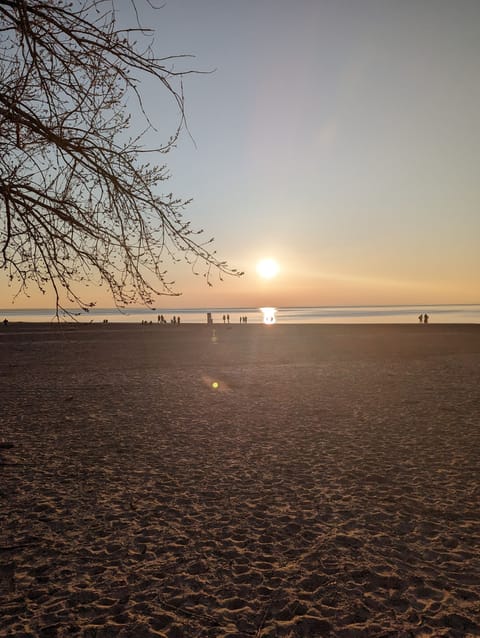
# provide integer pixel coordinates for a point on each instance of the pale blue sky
(340, 137)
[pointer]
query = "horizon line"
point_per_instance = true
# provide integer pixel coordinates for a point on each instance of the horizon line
(230, 308)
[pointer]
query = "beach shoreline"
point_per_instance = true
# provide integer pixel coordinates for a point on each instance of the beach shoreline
(451, 314)
(242, 480)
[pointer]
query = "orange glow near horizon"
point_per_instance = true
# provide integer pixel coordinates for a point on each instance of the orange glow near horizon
(304, 284)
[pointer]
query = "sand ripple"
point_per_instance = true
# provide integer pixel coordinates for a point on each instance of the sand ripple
(327, 498)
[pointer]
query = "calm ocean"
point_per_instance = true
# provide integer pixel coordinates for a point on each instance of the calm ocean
(320, 314)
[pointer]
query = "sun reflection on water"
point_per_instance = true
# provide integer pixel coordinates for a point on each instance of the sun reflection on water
(268, 315)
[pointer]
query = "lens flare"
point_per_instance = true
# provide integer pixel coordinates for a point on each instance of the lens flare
(218, 385)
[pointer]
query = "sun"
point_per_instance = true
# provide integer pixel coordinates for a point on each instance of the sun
(267, 268)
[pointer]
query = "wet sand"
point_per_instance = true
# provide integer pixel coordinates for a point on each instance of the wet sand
(283, 481)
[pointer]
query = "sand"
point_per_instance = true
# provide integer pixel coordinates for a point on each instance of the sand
(282, 481)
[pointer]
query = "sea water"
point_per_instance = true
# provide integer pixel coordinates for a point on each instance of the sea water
(317, 314)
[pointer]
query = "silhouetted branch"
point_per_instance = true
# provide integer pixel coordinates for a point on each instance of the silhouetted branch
(74, 197)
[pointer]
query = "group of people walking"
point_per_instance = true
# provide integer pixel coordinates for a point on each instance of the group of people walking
(174, 320)
(225, 318)
(423, 318)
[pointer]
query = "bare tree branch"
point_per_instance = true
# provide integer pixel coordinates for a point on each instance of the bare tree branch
(75, 200)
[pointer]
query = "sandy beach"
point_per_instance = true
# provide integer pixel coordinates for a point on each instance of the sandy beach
(282, 481)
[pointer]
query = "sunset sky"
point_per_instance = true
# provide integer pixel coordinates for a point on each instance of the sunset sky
(339, 137)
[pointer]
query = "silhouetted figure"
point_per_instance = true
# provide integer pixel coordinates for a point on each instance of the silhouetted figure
(228, 318)
(425, 318)
(209, 318)
(223, 318)
(420, 318)
(5, 322)
(178, 320)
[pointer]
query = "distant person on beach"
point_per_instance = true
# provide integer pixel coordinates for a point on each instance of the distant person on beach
(425, 318)
(228, 318)
(420, 318)
(5, 322)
